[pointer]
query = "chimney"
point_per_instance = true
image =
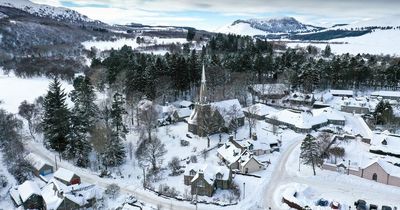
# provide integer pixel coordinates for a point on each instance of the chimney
(230, 137)
(254, 136)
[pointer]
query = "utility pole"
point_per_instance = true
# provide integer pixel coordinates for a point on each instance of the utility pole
(244, 190)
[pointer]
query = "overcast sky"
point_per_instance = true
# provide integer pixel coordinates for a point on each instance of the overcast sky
(212, 14)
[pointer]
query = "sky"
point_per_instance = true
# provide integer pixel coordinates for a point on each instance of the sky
(213, 14)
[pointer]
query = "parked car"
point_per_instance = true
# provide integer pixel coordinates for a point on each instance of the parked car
(373, 207)
(386, 208)
(322, 202)
(335, 205)
(361, 205)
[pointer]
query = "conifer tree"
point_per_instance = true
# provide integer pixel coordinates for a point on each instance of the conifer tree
(310, 152)
(56, 124)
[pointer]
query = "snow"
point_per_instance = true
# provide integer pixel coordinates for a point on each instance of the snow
(226, 106)
(383, 22)
(36, 161)
(27, 189)
(341, 92)
(386, 93)
(270, 89)
(42, 10)
(392, 143)
(13, 90)
(260, 109)
(64, 174)
(377, 42)
(243, 29)
(299, 119)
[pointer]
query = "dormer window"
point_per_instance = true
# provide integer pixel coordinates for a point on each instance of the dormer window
(218, 176)
(192, 173)
(384, 142)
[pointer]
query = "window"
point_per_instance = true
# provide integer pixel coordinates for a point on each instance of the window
(192, 173)
(375, 177)
(219, 176)
(200, 183)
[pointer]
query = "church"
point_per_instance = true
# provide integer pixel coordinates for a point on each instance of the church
(209, 118)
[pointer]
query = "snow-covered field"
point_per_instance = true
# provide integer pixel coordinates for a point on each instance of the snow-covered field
(13, 90)
(378, 42)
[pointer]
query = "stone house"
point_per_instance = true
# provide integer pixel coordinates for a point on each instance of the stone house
(205, 179)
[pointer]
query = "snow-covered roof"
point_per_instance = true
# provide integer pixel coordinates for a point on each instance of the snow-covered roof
(226, 106)
(386, 93)
(329, 113)
(64, 174)
(229, 152)
(209, 171)
(50, 196)
(246, 157)
(185, 103)
(270, 89)
(260, 109)
(15, 195)
(27, 189)
(36, 161)
(388, 167)
(184, 112)
(299, 119)
(392, 142)
(341, 92)
(298, 96)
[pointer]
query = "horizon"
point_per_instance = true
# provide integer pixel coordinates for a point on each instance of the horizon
(212, 15)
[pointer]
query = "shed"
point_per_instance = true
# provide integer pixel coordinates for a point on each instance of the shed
(67, 177)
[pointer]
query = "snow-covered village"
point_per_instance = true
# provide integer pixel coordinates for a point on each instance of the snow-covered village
(162, 105)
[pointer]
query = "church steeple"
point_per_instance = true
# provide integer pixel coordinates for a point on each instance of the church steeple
(203, 88)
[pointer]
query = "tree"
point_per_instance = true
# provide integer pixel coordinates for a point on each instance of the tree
(310, 152)
(56, 120)
(383, 113)
(83, 119)
(337, 152)
(234, 114)
(327, 51)
(153, 153)
(28, 112)
(112, 190)
(174, 165)
(114, 154)
(148, 117)
(190, 34)
(116, 113)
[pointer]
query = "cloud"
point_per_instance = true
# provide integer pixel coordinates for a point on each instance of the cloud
(311, 11)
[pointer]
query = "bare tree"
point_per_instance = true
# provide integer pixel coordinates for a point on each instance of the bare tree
(251, 120)
(148, 117)
(336, 152)
(324, 141)
(234, 113)
(174, 165)
(152, 152)
(28, 112)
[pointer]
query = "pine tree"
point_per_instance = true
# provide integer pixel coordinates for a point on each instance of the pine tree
(383, 112)
(56, 117)
(310, 152)
(83, 118)
(114, 154)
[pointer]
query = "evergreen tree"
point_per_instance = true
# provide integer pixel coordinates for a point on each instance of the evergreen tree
(83, 118)
(383, 112)
(116, 113)
(327, 51)
(310, 152)
(56, 124)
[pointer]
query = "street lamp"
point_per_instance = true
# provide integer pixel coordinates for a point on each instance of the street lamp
(244, 190)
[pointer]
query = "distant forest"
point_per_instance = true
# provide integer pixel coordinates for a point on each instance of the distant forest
(234, 62)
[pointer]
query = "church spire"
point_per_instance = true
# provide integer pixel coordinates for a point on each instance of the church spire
(203, 88)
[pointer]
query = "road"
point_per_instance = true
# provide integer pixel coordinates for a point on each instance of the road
(91, 178)
(341, 189)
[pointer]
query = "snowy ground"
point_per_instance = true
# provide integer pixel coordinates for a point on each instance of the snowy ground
(13, 90)
(378, 42)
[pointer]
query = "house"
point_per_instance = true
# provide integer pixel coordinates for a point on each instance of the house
(59, 196)
(258, 111)
(269, 91)
(372, 169)
(239, 155)
(342, 93)
(394, 95)
(67, 177)
(186, 104)
(182, 114)
(40, 166)
(305, 121)
(357, 106)
(385, 143)
(298, 98)
(205, 179)
(28, 195)
(248, 163)
(208, 118)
